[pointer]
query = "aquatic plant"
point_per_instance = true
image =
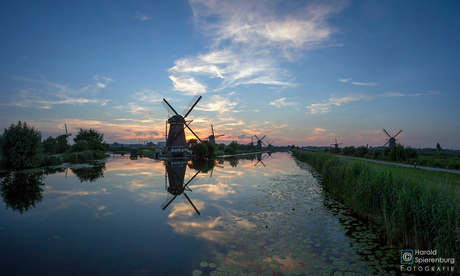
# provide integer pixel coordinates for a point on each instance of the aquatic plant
(418, 209)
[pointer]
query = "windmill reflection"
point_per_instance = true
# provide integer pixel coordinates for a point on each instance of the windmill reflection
(175, 181)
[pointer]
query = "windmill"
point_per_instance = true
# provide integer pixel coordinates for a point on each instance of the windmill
(336, 145)
(212, 137)
(260, 142)
(270, 145)
(392, 139)
(67, 134)
(175, 141)
(175, 174)
(260, 157)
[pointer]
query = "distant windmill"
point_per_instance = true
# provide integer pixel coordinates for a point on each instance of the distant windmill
(392, 139)
(270, 145)
(177, 124)
(336, 145)
(67, 134)
(260, 142)
(212, 137)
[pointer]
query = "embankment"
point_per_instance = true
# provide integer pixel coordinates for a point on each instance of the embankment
(418, 209)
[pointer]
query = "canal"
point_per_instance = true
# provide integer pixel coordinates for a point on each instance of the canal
(260, 215)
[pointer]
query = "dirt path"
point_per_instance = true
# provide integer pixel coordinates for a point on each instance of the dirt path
(403, 165)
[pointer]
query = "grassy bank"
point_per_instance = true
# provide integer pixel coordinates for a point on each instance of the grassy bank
(83, 156)
(418, 209)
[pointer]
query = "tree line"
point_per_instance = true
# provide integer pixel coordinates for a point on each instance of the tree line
(21, 146)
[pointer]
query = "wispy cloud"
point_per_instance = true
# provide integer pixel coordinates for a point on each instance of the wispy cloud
(141, 16)
(395, 94)
(217, 103)
(102, 81)
(283, 102)
(358, 83)
(45, 94)
(326, 107)
(248, 43)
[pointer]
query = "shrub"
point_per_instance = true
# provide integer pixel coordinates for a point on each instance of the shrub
(21, 146)
(80, 146)
(200, 150)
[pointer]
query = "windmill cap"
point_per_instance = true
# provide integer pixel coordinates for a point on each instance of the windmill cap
(177, 119)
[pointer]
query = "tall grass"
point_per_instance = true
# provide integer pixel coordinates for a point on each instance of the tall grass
(84, 156)
(418, 209)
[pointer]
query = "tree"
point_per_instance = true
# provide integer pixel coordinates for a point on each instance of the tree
(50, 145)
(21, 146)
(62, 145)
(200, 150)
(92, 137)
(438, 147)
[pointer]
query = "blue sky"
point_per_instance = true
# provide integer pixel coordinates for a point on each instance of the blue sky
(301, 72)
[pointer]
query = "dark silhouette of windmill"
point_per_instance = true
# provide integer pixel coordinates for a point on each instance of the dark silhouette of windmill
(175, 175)
(392, 139)
(260, 142)
(212, 137)
(175, 141)
(336, 145)
(67, 134)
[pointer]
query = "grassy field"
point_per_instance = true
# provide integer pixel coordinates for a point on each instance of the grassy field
(418, 209)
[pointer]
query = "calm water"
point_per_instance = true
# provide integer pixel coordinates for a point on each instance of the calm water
(259, 215)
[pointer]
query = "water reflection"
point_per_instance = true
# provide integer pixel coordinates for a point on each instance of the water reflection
(21, 191)
(176, 186)
(89, 173)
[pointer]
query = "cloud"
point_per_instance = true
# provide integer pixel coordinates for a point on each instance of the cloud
(102, 81)
(248, 41)
(283, 102)
(326, 107)
(394, 94)
(188, 85)
(217, 103)
(358, 83)
(141, 16)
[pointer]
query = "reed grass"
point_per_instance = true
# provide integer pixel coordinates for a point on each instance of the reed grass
(418, 209)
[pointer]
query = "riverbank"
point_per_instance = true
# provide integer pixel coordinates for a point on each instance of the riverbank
(418, 209)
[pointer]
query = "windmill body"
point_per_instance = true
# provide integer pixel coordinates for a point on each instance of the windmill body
(175, 141)
(212, 137)
(176, 134)
(260, 142)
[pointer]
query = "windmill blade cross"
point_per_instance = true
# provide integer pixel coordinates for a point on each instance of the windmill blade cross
(198, 212)
(386, 143)
(191, 179)
(187, 125)
(398, 133)
(168, 107)
(212, 129)
(169, 202)
(387, 133)
(195, 99)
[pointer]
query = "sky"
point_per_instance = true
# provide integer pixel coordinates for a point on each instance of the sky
(300, 72)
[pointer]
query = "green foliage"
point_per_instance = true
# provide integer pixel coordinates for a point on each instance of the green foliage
(234, 145)
(50, 145)
(419, 209)
(348, 151)
(229, 150)
(92, 137)
(80, 146)
(21, 146)
(62, 145)
(361, 151)
(211, 148)
(438, 146)
(51, 160)
(221, 146)
(200, 150)
(83, 156)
